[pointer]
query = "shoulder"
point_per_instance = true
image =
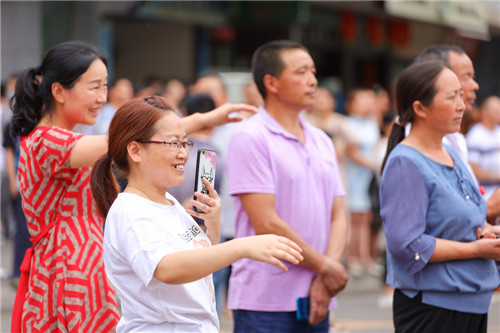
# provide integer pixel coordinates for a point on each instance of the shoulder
(404, 156)
(252, 129)
(53, 135)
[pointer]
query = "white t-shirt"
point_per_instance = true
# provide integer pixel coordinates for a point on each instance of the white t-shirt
(484, 151)
(138, 233)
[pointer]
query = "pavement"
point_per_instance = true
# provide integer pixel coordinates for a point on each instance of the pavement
(358, 311)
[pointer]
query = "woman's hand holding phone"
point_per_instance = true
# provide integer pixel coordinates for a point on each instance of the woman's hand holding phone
(209, 210)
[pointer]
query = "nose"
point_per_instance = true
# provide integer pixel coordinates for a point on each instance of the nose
(461, 104)
(475, 85)
(103, 95)
(183, 153)
(313, 80)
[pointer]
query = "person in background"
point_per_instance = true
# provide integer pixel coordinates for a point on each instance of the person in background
(157, 257)
(7, 210)
(483, 143)
(360, 166)
(175, 91)
(433, 213)
(119, 92)
(252, 95)
(21, 235)
(58, 290)
(324, 116)
(152, 85)
(284, 176)
(212, 85)
(459, 62)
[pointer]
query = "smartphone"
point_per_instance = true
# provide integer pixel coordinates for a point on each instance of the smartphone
(205, 168)
(302, 308)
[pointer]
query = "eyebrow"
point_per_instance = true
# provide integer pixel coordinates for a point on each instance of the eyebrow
(96, 81)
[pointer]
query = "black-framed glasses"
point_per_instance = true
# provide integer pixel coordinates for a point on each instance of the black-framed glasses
(175, 145)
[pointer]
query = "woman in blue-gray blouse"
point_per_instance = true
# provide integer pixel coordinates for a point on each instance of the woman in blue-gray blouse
(443, 270)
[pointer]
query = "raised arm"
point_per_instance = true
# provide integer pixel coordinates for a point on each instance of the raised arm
(219, 116)
(88, 150)
(188, 266)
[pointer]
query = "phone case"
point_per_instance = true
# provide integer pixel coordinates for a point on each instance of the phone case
(205, 167)
(303, 308)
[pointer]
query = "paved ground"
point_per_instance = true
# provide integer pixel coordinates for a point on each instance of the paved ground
(358, 310)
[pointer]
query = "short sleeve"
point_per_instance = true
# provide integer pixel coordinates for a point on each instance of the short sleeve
(52, 152)
(144, 246)
(248, 165)
(404, 199)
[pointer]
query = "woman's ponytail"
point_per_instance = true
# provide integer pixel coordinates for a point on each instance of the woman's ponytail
(103, 184)
(27, 103)
(397, 135)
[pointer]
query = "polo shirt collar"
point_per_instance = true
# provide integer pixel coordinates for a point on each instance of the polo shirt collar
(275, 127)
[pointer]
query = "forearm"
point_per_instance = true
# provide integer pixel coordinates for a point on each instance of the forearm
(213, 233)
(192, 265)
(194, 122)
(312, 258)
(483, 175)
(10, 166)
(452, 250)
(338, 239)
(356, 157)
(493, 206)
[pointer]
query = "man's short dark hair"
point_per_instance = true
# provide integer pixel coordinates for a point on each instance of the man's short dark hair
(438, 52)
(267, 60)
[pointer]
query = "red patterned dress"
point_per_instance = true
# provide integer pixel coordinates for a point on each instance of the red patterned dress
(67, 290)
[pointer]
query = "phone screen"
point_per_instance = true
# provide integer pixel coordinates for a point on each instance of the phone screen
(205, 168)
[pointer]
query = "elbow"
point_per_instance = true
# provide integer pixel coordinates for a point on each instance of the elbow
(410, 258)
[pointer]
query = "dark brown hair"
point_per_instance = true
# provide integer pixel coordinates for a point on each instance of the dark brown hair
(416, 83)
(133, 121)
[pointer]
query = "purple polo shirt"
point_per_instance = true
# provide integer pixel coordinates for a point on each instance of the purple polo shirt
(304, 178)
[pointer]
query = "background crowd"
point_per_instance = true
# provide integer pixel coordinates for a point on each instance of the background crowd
(359, 132)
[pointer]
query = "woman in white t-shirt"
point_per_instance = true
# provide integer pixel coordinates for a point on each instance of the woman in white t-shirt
(159, 260)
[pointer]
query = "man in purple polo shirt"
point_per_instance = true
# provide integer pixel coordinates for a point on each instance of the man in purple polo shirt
(285, 179)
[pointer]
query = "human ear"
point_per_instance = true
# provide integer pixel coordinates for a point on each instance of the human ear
(419, 109)
(58, 92)
(270, 82)
(134, 151)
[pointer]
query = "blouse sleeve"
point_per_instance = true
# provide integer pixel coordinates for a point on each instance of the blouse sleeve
(53, 150)
(404, 200)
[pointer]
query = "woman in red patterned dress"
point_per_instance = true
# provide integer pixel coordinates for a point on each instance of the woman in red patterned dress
(64, 287)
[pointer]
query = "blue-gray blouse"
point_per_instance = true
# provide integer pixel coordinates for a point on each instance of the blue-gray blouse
(422, 200)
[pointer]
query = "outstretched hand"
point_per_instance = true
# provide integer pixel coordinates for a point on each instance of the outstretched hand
(224, 114)
(270, 249)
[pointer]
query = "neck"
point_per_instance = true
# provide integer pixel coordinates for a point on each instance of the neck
(147, 193)
(488, 124)
(428, 143)
(51, 119)
(288, 118)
